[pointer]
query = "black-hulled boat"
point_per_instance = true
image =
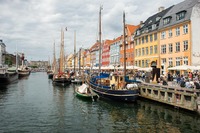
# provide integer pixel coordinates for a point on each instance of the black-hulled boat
(7, 77)
(114, 87)
(61, 78)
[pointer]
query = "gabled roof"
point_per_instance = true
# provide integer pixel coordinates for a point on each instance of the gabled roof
(117, 39)
(132, 28)
(108, 42)
(94, 47)
(186, 5)
(153, 20)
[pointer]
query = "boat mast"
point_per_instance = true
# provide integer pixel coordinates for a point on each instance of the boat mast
(124, 41)
(54, 59)
(74, 50)
(16, 59)
(100, 38)
(79, 64)
(62, 52)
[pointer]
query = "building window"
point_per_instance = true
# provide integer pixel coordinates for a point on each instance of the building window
(177, 31)
(170, 62)
(177, 46)
(151, 38)
(185, 29)
(163, 49)
(170, 33)
(178, 61)
(136, 42)
(147, 50)
(155, 36)
(142, 51)
(163, 60)
(142, 63)
(185, 60)
(136, 63)
(136, 52)
(166, 20)
(146, 37)
(155, 49)
(151, 49)
(146, 62)
(163, 34)
(142, 40)
(180, 15)
(139, 40)
(185, 45)
(170, 48)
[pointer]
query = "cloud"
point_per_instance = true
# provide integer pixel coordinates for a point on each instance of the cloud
(33, 25)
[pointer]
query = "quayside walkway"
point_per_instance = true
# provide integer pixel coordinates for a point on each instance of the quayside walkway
(184, 98)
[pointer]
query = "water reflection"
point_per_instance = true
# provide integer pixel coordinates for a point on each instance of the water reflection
(159, 118)
(24, 78)
(3, 91)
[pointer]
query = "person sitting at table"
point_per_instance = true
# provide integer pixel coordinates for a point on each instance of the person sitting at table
(196, 84)
(182, 83)
(187, 84)
(164, 81)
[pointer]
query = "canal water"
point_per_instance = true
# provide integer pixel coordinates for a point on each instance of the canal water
(33, 104)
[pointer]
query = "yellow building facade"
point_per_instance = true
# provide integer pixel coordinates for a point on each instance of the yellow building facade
(175, 48)
(147, 41)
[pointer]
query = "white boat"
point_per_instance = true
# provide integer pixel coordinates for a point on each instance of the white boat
(84, 92)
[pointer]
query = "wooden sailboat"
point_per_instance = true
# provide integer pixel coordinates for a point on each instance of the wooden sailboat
(113, 87)
(51, 71)
(61, 78)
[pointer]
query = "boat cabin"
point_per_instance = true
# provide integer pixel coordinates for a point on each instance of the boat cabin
(117, 81)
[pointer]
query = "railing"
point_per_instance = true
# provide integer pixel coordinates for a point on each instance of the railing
(175, 96)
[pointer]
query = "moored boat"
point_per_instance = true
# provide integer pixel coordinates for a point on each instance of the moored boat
(23, 72)
(61, 78)
(115, 87)
(84, 92)
(7, 76)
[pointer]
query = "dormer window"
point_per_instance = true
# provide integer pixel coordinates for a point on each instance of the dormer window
(150, 21)
(180, 15)
(166, 20)
(158, 18)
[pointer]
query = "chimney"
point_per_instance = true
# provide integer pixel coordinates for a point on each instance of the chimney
(141, 24)
(160, 9)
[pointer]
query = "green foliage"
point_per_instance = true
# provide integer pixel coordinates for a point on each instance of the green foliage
(8, 61)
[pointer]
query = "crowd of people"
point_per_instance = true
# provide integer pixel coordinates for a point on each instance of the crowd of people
(189, 80)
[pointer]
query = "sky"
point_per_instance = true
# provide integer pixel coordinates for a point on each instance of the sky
(32, 26)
